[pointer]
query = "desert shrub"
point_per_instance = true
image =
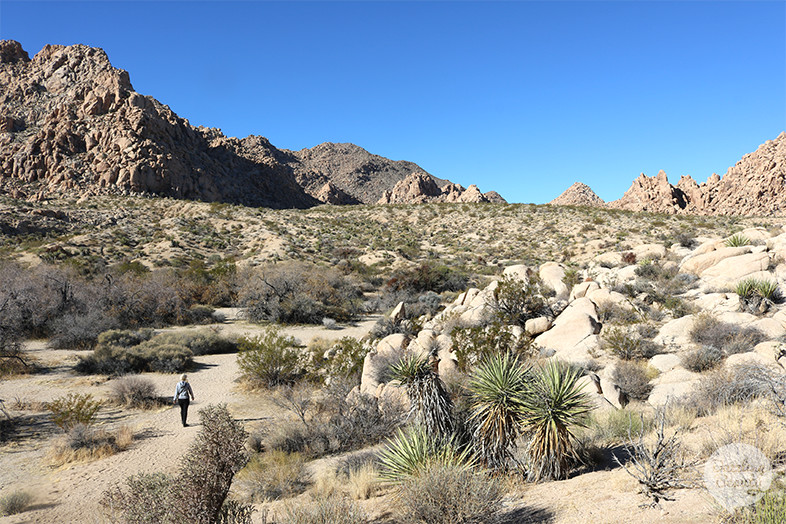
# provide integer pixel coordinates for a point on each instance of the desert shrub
(73, 409)
(450, 495)
(269, 359)
(336, 422)
(333, 509)
(272, 475)
(202, 342)
(737, 240)
(618, 314)
(200, 314)
(623, 344)
(124, 338)
(633, 379)
(428, 277)
(614, 426)
(516, 301)
(411, 451)
(659, 467)
(769, 509)
(385, 326)
(707, 330)
(15, 502)
(203, 480)
(80, 331)
(299, 293)
(113, 360)
(738, 385)
(472, 344)
(628, 258)
(703, 358)
(571, 277)
(134, 391)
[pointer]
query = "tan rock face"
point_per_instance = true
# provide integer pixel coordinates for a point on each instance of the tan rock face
(579, 194)
(71, 122)
(754, 186)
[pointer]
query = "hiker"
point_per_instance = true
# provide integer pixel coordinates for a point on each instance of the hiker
(182, 392)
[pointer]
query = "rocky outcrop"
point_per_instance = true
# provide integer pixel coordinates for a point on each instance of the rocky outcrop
(754, 186)
(578, 194)
(419, 188)
(72, 123)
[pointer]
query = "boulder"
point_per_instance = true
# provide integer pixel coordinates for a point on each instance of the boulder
(536, 326)
(604, 297)
(573, 334)
(666, 362)
(610, 259)
(734, 268)
(581, 289)
(675, 333)
(399, 313)
(649, 251)
(672, 385)
(551, 274)
(749, 358)
(699, 263)
(519, 271)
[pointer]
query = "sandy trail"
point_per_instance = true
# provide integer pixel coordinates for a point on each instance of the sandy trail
(72, 493)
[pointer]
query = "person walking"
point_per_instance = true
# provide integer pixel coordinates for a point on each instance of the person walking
(182, 392)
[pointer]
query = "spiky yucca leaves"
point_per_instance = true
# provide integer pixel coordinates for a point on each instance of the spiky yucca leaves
(413, 450)
(554, 402)
(497, 388)
(431, 404)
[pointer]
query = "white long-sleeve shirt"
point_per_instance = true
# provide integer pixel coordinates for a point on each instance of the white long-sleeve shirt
(183, 390)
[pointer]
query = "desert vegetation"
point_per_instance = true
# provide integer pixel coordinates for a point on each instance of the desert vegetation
(497, 369)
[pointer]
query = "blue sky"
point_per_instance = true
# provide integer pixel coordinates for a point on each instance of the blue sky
(524, 98)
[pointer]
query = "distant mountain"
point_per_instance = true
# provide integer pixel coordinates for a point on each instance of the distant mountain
(754, 186)
(579, 194)
(72, 123)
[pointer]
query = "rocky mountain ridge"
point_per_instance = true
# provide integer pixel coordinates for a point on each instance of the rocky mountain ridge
(756, 185)
(72, 123)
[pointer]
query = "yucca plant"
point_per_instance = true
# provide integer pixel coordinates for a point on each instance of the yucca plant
(737, 240)
(431, 406)
(413, 450)
(767, 289)
(497, 388)
(553, 403)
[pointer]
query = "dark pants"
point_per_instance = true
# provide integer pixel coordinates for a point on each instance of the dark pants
(183, 409)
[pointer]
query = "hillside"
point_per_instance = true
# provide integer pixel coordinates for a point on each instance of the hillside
(71, 123)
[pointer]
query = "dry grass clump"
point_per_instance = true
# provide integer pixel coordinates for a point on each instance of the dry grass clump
(333, 509)
(83, 443)
(770, 509)
(359, 483)
(15, 502)
(442, 494)
(739, 385)
(272, 475)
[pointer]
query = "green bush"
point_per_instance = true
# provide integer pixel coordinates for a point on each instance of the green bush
(341, 359)
(15, 502)
(472, 345)
(702, 359)
(428, 277)
(269, 359)
(623, 344)
(516, 301)
(114, 360)
(450, 495)
(410, 452)
(201, 342)
(73, 409)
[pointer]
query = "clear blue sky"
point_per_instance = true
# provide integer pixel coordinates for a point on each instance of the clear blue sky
(520, 97)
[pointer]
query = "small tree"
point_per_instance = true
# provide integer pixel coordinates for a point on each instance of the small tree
(269, 359)
(517, 301)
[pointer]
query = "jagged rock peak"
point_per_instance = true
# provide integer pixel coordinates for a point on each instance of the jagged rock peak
(420, 188)
(11, 51)
(578, 194)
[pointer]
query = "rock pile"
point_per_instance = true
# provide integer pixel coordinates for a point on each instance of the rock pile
(419, 188)
(579, 318)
